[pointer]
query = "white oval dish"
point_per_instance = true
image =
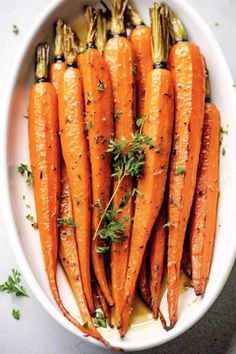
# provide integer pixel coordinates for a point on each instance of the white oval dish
(14, 150)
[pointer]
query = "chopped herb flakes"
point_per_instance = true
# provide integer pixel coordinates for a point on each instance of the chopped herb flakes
(16, 314)
(15, 30)
(86, 325)
(180, 171)
(100, 320)
(134, 70)
(13, 284)
(101, 86)
(103, 249)
(168, 224)
(124, 199)
(223, 151)
(88, 125)
(136, 191)
(66, 221)
(117, 115)
(24, 170)
(34, 224)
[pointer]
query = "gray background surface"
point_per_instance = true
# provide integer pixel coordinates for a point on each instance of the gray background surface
(36, 332)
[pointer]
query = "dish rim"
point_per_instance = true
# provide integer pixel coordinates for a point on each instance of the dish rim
(7, 212)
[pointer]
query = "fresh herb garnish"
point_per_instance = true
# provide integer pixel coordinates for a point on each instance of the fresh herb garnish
(15, 30)
(88, 125)
(66, 221)
(86, 325)
(23, 169)
(117, 115)
(12, 285)
(140, 121)
(113, 229)
(124, 199)
(99, 320)
(34, 224)
(128, 160)
(16, 314)
(98, 203)
(224, 131)
(103, 249)
(223, 151)
(101, 86)
(180, 171)
(136, 191)
(168, 224)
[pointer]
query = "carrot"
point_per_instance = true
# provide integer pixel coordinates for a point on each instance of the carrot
(140, 39)
(119, 56)
(158, 125)
(45, 162)
(157, 256)
(99, 122)
(58, 67)
(68, 250)
(75, 154)
(204, 209)
(188, 71)
(144, 281)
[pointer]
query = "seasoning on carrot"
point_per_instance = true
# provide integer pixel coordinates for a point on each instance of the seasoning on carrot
(188, 71)
(75, 154)
(157, 257)
(157, 125)
(204, 210)
(140, 38)
(99, 122)
(119, 56)
(45, 162)
(144, 280)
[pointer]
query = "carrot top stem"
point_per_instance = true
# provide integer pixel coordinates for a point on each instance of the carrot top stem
(90, 14)
(117, 18)
(70, 46)
(177, 29)
(42, 62)
(160, 34)
(134, 16)
(102, 29)
(58, 51)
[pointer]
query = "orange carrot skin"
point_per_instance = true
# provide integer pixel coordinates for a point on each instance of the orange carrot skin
(75, 154)
(99, 117)
(144, 281)
(140, 38)
(106, 309)
(188, 71)
(204, 209)
(68, 251)
(45, 162)
(157, 256)
(119, 56)
(159, 110)
(56, 74)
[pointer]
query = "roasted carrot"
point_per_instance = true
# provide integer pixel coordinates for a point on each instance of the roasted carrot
(75, 154)
(188, 71)
(186, 265)
(99, 123)
(204, 209)
(68, 250)
(140, 38)
(45, 162)
(157, 256)
(144, 280)
(58, 67)
(158, 125)
(119, 56)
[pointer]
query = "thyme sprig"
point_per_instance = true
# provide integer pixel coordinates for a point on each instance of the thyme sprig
(128, 161)
(13, 284)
